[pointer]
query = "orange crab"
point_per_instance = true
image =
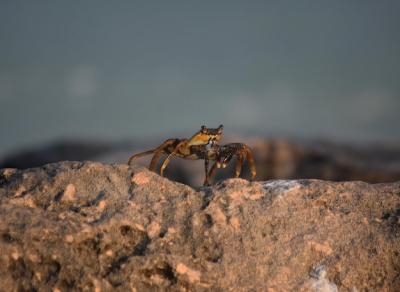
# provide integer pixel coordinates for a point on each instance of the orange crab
(185, 148)
(202, 145)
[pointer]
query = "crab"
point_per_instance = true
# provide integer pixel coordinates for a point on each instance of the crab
(194, 148)
(202, 145)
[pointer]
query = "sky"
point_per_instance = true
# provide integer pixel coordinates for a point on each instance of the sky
(137, 69)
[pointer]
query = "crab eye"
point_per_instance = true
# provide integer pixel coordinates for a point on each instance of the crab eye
(203, 129)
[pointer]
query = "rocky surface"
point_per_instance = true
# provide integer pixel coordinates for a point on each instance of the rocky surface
(96, 227)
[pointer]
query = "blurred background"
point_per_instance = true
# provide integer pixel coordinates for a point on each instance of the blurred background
(100, 80)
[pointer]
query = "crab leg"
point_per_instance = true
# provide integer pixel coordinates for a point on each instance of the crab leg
(212, 170)
(163, 148)
(173, 153)
(239, 164)
(252, 165)
(140, 155)
(206, 163)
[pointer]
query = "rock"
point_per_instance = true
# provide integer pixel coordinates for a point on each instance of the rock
(99, 227)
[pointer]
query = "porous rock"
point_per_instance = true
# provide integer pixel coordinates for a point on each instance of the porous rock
(98, 227)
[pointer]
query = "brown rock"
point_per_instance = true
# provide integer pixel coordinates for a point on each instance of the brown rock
(69, 193)
(127, 229)
(8, 172)
(193, 276)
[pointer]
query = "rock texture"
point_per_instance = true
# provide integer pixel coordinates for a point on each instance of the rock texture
(97, 227)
